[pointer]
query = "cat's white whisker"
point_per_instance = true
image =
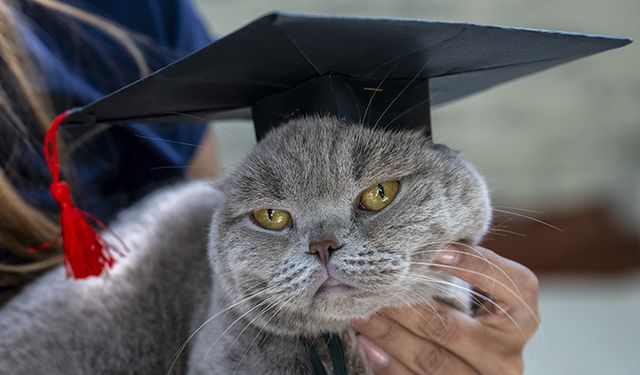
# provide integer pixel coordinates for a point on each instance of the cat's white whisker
(169, 141)
(492, 264)
(270, 306)
(477, 298)
(504, 232)
(195, 332)
(401, 92)
(231, 326)
(425, 301)
(447, 292)
(517, 296)
(519, 209)
(529, 218)
(473, 252)
(283, 304)
(479, 295)
(191, 116)
(480, 257)
(375, 91)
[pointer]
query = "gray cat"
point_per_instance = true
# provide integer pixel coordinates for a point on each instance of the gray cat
(324, 222)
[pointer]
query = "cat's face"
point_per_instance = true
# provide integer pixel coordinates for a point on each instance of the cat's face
(316, 170)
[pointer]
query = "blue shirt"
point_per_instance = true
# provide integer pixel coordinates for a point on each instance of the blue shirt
(114, 167)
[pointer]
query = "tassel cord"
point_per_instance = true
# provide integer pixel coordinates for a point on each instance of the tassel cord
(85, 252)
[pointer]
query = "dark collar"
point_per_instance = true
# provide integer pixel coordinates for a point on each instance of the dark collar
(334, 347)
(336, 351)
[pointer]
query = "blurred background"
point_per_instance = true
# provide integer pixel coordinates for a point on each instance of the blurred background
(561, 147)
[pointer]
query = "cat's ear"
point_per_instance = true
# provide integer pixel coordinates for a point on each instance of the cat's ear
(444, 149)
(427, 142)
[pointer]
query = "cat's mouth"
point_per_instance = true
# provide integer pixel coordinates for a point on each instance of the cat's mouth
(334, 288)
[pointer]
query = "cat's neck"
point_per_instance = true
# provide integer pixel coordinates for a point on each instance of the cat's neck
(231, 343)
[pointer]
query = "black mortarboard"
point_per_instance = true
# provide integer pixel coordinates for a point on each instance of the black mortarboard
(384, 72)
(380, 72)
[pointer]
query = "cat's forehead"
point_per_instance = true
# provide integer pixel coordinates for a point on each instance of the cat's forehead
(315, 157)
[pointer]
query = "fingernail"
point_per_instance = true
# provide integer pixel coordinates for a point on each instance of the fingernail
(360, 321)
(448, 256)
(378, 357)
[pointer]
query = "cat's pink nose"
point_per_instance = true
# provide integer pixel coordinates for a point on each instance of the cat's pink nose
(324, 249)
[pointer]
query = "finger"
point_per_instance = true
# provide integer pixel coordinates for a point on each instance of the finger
(412, 351)
(504, 280)
(381, 362)
(441, 324)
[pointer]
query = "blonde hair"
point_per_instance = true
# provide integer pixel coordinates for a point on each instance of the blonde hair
(22, 225)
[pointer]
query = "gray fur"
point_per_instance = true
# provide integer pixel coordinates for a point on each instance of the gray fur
(195, 251)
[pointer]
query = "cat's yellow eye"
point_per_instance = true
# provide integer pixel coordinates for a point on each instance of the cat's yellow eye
(379, 195)
(269, 218)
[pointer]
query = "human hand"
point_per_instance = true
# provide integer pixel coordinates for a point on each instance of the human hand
(441, 340)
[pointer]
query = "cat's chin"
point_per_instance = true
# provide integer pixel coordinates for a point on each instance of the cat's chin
(331, 311)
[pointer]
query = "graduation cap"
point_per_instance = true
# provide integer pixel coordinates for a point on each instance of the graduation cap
(378, 72)
(383, 72)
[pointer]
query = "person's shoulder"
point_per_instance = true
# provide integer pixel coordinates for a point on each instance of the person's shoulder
(174, 23)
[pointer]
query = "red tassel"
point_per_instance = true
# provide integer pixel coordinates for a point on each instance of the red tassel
(85, 252)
